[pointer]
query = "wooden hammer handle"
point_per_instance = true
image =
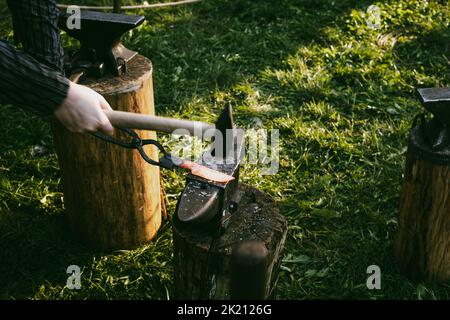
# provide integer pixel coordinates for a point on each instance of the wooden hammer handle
(156, 123)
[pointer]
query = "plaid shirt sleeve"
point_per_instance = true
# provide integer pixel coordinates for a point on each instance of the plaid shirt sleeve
(33, 79)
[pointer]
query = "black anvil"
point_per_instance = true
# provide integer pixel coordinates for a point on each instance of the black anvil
(101, 50)
(429, 139)
(437, 131)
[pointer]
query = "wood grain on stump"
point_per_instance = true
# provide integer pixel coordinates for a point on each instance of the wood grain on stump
(423, 240)
(257, 219)
(111, 195)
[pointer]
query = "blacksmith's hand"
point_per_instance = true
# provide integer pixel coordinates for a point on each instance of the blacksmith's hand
(82, 111)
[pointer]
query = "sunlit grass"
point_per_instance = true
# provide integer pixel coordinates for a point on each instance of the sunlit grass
(341, 95)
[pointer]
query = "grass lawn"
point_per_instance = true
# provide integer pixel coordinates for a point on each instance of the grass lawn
(341, 93)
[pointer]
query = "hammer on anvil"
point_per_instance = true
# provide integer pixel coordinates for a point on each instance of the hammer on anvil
(204, 202)
(223, 133)
(101, 50)
(210, 193)
(211, 188)
(437, 131)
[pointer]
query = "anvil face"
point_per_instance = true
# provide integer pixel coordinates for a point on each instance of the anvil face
(202, 200)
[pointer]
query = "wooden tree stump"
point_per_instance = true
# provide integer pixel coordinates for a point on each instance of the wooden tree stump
(111, 195)
(257, 219)
(423, 240)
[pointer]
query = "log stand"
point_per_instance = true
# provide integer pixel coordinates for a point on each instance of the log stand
(422, 246)
(256, 219)
(111, 195)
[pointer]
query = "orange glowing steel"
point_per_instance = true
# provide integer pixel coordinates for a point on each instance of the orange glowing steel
(205, 172)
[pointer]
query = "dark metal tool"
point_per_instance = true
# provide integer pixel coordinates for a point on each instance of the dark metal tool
(436, 132)
(437, 101)
(101, 50)
(205, 201)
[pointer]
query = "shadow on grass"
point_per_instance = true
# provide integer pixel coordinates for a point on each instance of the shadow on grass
(36, 249)
(428, 53)
(220, 44)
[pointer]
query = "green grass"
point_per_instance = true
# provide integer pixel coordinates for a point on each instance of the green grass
(342, 96)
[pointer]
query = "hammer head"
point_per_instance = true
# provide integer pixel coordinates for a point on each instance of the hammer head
(224, 127)
(99, 35)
